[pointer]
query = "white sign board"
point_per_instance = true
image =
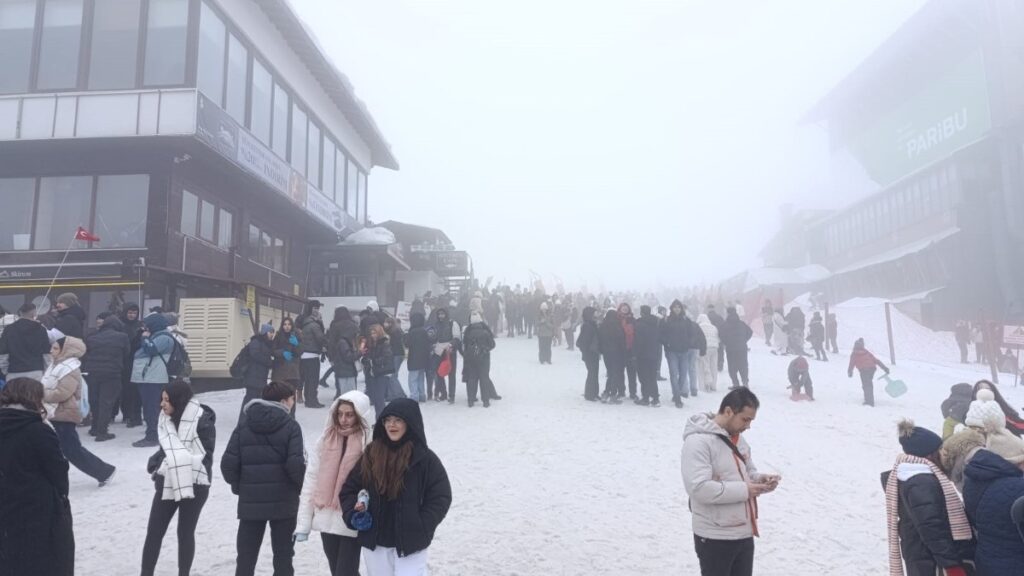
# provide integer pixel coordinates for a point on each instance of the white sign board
(402, 313)
(1013, 336)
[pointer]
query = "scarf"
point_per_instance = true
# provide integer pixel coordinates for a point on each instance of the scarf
(59, 370)
(183, 454)
(339, 453)
(958, 523)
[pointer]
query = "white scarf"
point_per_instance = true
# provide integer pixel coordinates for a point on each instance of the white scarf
(53, 375)
(183, 454)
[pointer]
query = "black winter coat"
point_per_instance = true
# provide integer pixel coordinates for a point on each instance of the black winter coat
(378, 360)
(207, 432)
(926, 540)
(612, 339)
(311, 334)
(265, 463)
(261, 358)
(36, 536)
(735, 334)
(647, 342)
(816, 333)
(796, 319)
(477, 343)
(341, 347)
(588, 342)
(108, 351)
(397, 338)
(417, 340)
(677, 333)
(991, 486)
(426, 494)
(25, 342)
(71, 322)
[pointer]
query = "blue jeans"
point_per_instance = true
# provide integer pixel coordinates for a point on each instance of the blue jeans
(150, 395)
(376, 389)
(394, 384)
(342, 385)
(77, 455)
(676, 372)
(417, 379)
(690, 371)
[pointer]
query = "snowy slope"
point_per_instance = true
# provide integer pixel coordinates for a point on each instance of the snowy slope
(545, 483)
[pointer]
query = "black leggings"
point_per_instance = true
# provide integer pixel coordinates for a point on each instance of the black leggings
(160, 515)
(725, 557)
(342, 554)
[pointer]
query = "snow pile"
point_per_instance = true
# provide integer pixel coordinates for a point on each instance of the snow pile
(865, 318)
(371, 237)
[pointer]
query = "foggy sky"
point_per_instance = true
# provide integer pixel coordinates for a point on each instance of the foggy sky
(616, 143)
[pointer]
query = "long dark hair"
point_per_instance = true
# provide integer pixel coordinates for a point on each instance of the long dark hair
(384, 467)
(1008, 410)
(24, 391)
(179, 393)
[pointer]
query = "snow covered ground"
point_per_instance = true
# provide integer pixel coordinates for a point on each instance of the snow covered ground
(545, 483)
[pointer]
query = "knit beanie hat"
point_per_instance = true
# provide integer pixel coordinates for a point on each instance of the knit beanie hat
(266, 329)
(68, 299)
(983, 405)
(918, 441)
(155, 323)
(1001, 441)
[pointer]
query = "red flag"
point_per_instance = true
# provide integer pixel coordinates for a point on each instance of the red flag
(85, 235)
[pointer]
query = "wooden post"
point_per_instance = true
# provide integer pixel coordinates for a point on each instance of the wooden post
(986, 342)
(888, 329)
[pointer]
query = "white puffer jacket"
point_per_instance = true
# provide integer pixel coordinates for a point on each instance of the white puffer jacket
(327, 519)
(709, 330)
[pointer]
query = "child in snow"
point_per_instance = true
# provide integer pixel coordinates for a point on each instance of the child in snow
(865, 363)
(800, 377)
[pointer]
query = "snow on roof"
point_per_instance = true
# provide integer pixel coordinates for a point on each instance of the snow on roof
(784, 276)
(371, 237)
(900, 252)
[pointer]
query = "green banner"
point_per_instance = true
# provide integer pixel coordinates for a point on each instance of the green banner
(948, 114)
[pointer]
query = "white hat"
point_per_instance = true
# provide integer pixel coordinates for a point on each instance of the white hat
(372, 305)
(984, 405)
(54, 335)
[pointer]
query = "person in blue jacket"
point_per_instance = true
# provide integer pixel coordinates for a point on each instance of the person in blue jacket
(993, 481)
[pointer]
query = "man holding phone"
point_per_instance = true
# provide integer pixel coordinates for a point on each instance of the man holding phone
(723, 484)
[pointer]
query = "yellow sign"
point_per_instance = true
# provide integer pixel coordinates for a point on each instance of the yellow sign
(250, 298)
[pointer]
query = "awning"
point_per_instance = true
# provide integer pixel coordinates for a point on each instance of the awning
(897, 253)
(391, 251)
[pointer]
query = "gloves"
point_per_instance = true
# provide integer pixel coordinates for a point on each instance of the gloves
(293, 340)
(300, 536)
(956, 571)
(287, 355)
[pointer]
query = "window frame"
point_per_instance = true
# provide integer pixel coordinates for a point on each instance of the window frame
(218, 207)
(255, 253)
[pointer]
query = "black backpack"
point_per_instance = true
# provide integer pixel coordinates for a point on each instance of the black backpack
(240, 365)
(179, 365)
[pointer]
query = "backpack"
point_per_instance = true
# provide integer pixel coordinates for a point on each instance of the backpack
(240, 365)
(179, 365)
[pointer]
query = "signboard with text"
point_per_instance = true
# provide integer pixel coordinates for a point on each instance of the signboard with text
(1013, 336)
(452, 263)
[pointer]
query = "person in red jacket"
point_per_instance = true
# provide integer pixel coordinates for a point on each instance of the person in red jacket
(865, 363)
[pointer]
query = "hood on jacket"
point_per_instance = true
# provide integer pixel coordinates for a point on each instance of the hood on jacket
(417, 320)
(363, 409)
(731, 315)
(588, 314)
(155, 323)
(959, 446)
(408, 410)
(987, 467)
(265, 417)
(703, 423)
(14, 418)
(959, 401)
(342, 314)
(678, 303)
(76, 311)
(73, 348)
(112, 323)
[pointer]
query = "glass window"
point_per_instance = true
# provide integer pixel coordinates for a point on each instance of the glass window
(189, 213)
(278, 255)
(328, 187)
(121, 203)
(210, 75)
(115, 44)
(350, 189)
(313, 165)
(266, 252)
(254, 243)
(225, 230)
(206, 221)
(64, 205)
(16, 196)
(362, 197)
(281, 105)
(238, 74)
(58, 49)
(339, 178)
(166, 35)
(17, 26)
(298, 143)
(259, 118)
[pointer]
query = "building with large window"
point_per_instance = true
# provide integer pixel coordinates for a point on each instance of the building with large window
(207, 143)
(934, 118)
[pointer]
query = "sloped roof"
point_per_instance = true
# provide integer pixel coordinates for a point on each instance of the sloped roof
(337, 86)
(409, 234)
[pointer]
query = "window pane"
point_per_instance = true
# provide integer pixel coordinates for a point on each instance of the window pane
(58, 50)
(17, 25)
(64, 205)
(362, 197)
(281, 105)
(225, 231)
(165, 42)
(206, 219)
(189, 210)
(313, 165)
(238, 70)
(278, 257)
(350, 190)
(266, 252)
(16, 196)
(259, 119)
(121, 203)
(115, 44)
(210, 75)
(328, 187)
(298, 145)
(339, 179)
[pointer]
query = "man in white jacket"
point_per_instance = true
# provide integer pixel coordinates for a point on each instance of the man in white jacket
(723, 485)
